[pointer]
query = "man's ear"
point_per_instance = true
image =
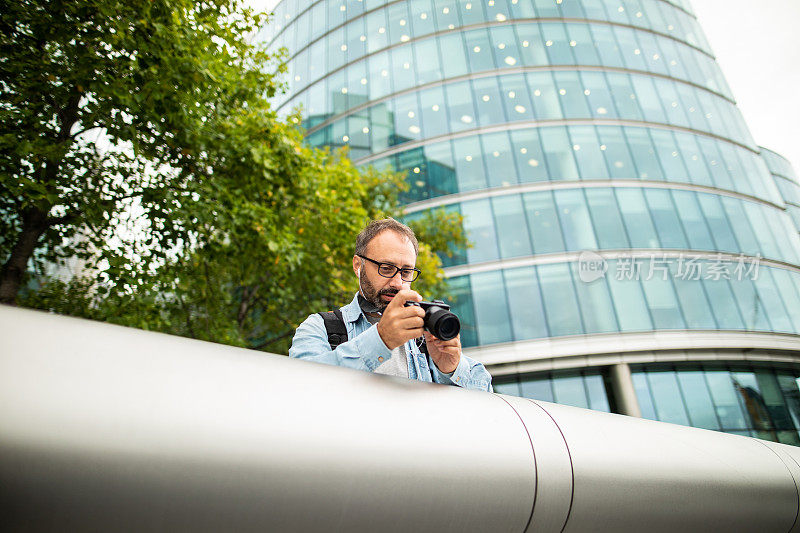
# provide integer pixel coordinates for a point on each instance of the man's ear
(356, 265)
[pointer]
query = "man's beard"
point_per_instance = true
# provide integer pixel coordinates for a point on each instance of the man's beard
(373, 295)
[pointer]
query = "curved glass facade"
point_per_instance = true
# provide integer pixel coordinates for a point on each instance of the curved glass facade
(579, 388)
(579, 152)
(754, 400)
(787, 182)
(561, 128)
(758, 400)
(648, 292)
(431, 59)
(602, 218)
(516, 100)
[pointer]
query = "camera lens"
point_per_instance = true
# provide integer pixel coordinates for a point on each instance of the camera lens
(442, 323)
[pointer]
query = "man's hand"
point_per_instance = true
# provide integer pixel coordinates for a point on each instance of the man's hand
(400, 324)
(445, 354)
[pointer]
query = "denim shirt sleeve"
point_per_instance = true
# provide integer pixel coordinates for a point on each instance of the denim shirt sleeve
(364, 352)
(469, 374)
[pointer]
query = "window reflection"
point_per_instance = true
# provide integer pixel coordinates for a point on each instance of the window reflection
(574, 219)
(479, 225)
(428, 67)
(545, 227)
(694, 301)
(585, 388)
(594, 300)
(558, 154)
(516, 98)
(460, 106)
(557, 302)
(665, 218)
(505, 46)
(491, 308)
(661, 300)
(529, 156)
(560, 302)
(501, 170)
(386, 25)
(667, 397)
(490, 101)
(479, 50)
(528, 320)
(758, 401)
(608, 218)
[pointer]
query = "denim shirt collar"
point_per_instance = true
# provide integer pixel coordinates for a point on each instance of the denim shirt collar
(352, 311)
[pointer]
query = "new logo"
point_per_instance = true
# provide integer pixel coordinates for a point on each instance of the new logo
(591, 266)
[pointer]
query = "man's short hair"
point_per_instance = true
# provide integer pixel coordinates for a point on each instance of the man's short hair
(377, 226)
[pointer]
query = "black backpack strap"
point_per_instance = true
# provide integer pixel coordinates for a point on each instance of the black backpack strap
(334, 325)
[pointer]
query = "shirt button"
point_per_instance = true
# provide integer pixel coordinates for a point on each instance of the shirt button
(458, 378)
(380, 359)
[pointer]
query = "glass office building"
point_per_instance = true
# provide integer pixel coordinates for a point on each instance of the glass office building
(634, 249)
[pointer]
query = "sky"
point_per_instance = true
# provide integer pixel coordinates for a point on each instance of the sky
(757, 45)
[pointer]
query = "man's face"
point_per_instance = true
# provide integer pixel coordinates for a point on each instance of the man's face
(386, 247)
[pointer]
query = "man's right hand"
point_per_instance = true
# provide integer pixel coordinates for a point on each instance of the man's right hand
(400, 324)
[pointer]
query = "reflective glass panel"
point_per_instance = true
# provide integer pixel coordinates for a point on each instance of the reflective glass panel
(537, 389)
(575, 222)
(665, 219)
(629, 302)
(588, 152)
(661, 299)
(543, 219)
(594, 301)
(491, 308)
(469, 163)
(693, 300)
(479, 226)
(606, 219)
(529, 155)
(512, 226)
(561, 306)
(726, 401)
(525, 302)
(699, 405)
(637, 219)
(667, 397)
(569, 390)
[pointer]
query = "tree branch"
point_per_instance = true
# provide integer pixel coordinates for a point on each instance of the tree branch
(65, 219)
(244, 305)
(273, 340)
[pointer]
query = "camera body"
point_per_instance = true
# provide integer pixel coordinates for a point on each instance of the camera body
(439, 321)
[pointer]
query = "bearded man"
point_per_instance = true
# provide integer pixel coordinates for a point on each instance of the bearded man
(376, 331)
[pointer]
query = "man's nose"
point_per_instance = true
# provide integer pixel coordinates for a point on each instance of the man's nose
(396, 282)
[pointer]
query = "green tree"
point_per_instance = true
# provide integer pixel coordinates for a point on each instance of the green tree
(197, 212)
(109, 106)
(261, 260)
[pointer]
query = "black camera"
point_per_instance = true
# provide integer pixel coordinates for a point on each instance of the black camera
(439, 321)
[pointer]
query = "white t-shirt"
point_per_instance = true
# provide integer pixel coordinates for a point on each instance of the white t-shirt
(397, 364)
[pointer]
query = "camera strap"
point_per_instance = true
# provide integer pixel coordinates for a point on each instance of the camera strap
(335, 327)
(334, 321)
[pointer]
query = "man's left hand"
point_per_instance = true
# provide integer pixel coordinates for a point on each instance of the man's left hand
(445, 354)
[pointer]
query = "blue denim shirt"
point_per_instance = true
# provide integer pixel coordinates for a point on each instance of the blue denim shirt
(365, 350)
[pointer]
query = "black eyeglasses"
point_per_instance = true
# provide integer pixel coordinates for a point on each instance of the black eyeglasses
(388, 270)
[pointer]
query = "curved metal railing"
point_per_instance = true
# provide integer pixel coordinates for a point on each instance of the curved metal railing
(110, 428)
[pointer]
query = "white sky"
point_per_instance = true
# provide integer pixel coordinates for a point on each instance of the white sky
(757, 44)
